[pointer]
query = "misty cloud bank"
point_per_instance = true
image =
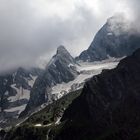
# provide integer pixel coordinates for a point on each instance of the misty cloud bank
(32, 29)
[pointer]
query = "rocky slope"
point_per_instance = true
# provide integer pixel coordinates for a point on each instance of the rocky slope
(15, 89)
(108, 107)
(37, 125)
(53, 112)
(114, 39)
(61, 68)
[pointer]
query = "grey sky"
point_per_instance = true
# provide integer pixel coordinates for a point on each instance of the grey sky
(30, 29)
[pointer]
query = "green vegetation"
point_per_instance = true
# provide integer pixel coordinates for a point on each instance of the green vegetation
(27, 132)
(53, 111)
(47, 117)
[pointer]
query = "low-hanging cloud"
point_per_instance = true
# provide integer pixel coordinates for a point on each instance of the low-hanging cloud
(31, 29)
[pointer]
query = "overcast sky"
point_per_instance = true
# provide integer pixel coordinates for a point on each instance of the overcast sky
(30, 29)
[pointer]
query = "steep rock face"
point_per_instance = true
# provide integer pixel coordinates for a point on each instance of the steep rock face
(15, 89)
(61, 68)
(114, 39)
(108, 107)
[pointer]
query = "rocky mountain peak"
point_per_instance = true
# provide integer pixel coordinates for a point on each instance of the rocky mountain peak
(114, 39)
(61, 68)
(63, 53)
(61, 56)
(118, 18)
(62, 50)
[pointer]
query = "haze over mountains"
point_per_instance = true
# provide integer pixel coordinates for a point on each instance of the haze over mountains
(30, 29)
(113, 40)
(99, 107)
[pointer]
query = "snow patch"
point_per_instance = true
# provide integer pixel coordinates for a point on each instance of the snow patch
(21, 94)
(38, 125)
(70, 65)
(87, 70)
(18, 109)
(109, 34)
(31, 82)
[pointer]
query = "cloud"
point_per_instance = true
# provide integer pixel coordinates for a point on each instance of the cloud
(32, 29)
(135, 13)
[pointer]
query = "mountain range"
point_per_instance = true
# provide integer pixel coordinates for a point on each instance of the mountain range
(110, 105)
(15, 92)
(92, 101)
(61, 68)
(114, 39)
(106, 109)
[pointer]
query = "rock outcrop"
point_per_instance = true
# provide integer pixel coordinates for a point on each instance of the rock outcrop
(61, 68)
(114, 39)
(108, 107)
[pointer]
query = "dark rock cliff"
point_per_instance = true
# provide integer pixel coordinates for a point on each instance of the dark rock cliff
(108, 107)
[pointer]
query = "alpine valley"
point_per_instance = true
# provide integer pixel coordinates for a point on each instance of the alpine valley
(95, 96)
